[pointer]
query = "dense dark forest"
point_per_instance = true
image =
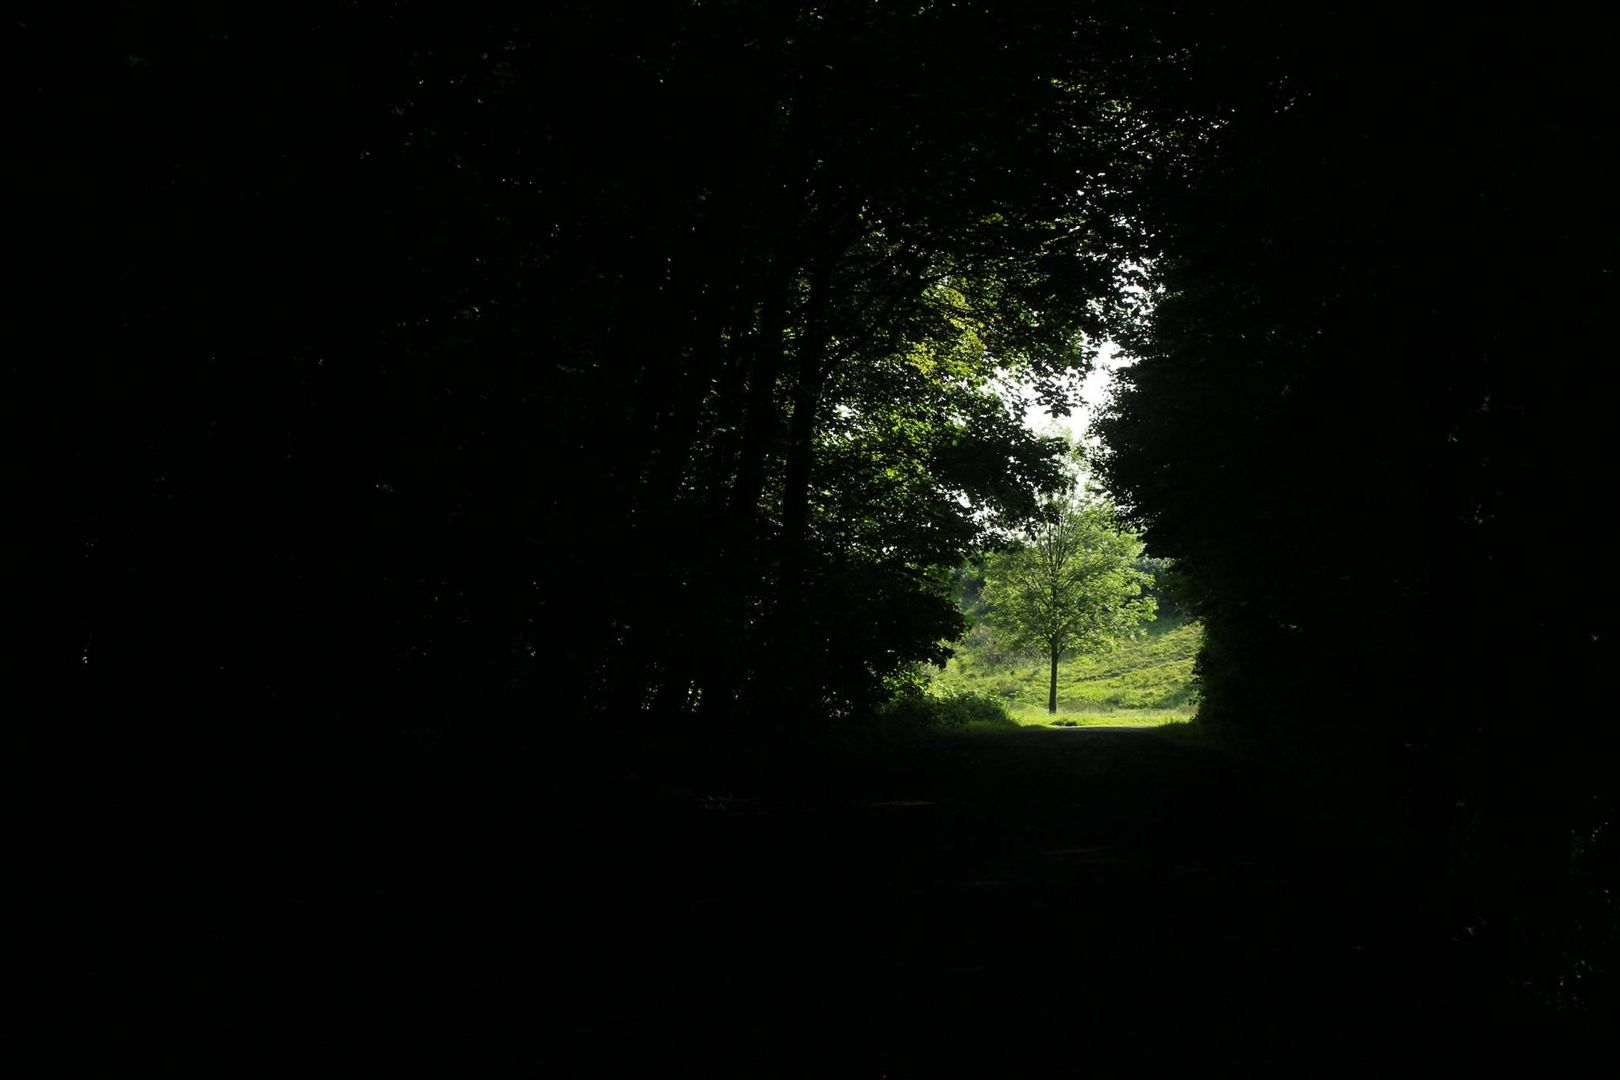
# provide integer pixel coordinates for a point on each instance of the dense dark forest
(634, 347)
(1369, 422)
(408, 384)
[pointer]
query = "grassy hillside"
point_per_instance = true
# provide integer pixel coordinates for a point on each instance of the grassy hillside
(1149, 681)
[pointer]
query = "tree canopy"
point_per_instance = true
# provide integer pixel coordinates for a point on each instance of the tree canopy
(636, 357)
(1366, 412)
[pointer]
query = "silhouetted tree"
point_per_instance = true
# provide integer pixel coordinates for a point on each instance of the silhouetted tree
(1367, 401)
(624, 359)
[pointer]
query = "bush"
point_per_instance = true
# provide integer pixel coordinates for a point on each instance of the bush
(961, 709)
(915, 710)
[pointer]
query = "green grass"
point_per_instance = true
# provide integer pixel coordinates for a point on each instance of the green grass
(1031, 716)
(1143, 683)
(1025, 716)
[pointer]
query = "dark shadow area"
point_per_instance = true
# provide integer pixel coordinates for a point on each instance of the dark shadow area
(1031, 903)
(489, 487)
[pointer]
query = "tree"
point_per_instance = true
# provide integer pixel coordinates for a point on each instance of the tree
(731, 370)
(1074, 586)
(1330, 523)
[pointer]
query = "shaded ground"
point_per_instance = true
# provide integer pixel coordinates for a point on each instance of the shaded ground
(1041, 902)
(1092, 902)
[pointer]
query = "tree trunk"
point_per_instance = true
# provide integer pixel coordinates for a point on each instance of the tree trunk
(1051, 694)
(811, 367)
(759, 411)
(788, 663)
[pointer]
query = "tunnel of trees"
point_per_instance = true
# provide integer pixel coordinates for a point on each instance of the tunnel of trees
(414, 376)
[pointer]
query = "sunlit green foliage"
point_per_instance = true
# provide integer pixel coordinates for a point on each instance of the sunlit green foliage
(1148, 678)
(1073, 585)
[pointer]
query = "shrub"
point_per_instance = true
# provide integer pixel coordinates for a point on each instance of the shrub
(916, 710)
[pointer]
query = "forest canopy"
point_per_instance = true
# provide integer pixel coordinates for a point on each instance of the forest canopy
(647, 354)
(1370, 404)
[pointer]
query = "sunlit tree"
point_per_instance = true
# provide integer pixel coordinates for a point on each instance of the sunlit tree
(1074, 586)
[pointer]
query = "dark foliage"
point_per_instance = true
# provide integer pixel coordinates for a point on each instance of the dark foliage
(634, 355)
(419, 383)
(1370, 422)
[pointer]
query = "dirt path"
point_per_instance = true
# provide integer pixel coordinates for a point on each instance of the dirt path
(1044, 902)
(1071, 902)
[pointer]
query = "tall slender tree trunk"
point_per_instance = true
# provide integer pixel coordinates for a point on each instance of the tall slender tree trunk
(760, 418)
(811, 367)
(1051, 692)
(789, 664)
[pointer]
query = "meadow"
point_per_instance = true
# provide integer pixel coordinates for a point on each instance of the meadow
(1148, 682)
